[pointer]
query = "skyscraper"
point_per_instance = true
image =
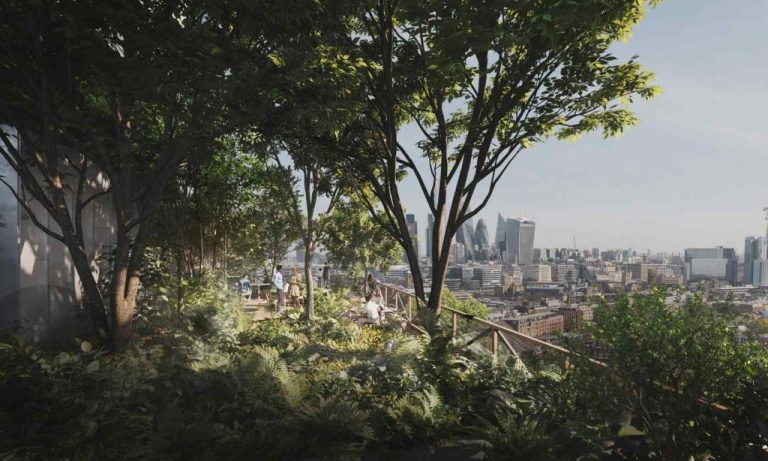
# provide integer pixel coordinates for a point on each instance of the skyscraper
(482, 239)
(756, 261)
(750, 252)
(413, 231)
(430, 228)
(482, 242)
(466, 236)
(500, 238)
(519, 241)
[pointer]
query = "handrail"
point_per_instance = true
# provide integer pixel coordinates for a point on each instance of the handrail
(496, 328)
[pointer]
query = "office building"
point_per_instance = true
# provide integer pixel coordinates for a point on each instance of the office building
(500, 238)
(413, 231)
(565, 273)
(710, 263)
(482, 242)
(430, 230)
(456, 254)
(755, 259)
(541, 273)
(482, 238)
(488, 276)
(517, 235)
(466, 236)
(596, 253)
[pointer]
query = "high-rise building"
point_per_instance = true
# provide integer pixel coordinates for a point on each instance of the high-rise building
(413, 231)
(519, 241)
(482, 242)
(500, 239)
(756, 261)
(466, 236)
(750, 255)
(711, 263)
(456, 254)
(482, 239)
(759, 255)
(596, 253)
(430, 230)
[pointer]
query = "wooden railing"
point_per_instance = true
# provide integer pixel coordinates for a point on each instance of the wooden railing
(513, 341)
(406, 304)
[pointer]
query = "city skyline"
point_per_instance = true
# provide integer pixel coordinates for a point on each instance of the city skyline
(502, 223)
(684, 177)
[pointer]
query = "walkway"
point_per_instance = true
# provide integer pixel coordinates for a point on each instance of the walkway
(258, 309)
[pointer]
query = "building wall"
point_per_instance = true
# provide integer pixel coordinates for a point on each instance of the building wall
(39, 287)
(539, 326)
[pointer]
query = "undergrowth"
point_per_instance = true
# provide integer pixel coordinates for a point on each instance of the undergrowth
(204, 383)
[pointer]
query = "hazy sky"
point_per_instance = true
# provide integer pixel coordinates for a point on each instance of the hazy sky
(692, 173)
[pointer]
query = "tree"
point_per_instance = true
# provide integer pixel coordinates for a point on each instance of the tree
(666, 359)
(354, 241)
(315, 179)
(481, 82)
(129, 90)
(268, 232)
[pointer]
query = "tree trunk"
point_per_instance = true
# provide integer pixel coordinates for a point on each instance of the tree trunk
(309, 301)
(418, 280)
(438, 278)
(179, 287)
(94, 301)
(122, 313)
(202, 248)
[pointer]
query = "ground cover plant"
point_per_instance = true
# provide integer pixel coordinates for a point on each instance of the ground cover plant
(207, 385)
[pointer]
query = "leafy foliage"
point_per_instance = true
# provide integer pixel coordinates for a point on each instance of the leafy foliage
(468, 305)
(355, 242)
(202, 388)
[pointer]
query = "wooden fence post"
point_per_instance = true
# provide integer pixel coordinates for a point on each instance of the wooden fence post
(495, 343)
(410, 309)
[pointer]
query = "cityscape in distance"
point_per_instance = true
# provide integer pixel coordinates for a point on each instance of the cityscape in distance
(547, 292)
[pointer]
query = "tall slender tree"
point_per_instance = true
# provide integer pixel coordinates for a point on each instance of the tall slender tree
(481, 81)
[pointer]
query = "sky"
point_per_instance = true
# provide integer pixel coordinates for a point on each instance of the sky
(691, 174)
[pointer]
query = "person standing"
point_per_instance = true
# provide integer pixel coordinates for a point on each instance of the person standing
(370, 287)
(295, 289)
(327, 276)
(277, 281)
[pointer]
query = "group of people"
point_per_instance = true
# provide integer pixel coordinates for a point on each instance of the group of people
(293, 286)
(372, 312)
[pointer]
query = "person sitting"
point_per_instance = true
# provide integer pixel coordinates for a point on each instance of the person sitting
(372, 314)
(244, 286)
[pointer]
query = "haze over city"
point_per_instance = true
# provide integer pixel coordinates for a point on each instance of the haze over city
(688, 175)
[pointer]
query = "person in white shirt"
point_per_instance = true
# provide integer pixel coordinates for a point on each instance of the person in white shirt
(277, 281)
(372, 315)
